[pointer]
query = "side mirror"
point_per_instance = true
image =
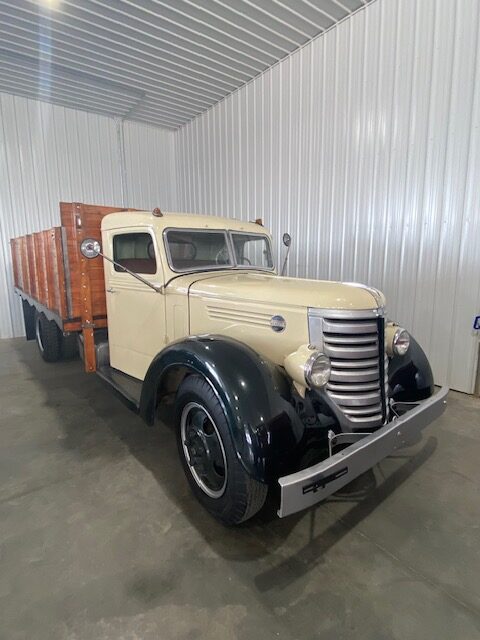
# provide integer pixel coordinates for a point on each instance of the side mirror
(287, 241)
(90, 248)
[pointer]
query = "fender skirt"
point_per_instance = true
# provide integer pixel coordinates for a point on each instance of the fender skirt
(410, 376)
(254, 393)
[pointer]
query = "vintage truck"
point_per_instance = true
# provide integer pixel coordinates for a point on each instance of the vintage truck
(282, 382)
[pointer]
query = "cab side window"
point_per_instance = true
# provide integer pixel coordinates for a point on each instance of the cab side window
(135, 251)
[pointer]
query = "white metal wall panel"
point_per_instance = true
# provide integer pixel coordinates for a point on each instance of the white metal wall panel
(49, 154)
(150, 167)
(365, 145)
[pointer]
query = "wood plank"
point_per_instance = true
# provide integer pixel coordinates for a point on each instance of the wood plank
(20, 261)
(25, 269)
(15, 262)
(41, 268)
(18, 249)
(51, 296)
(32, 266)
(53, 269)
(86, 293)
(60, 269)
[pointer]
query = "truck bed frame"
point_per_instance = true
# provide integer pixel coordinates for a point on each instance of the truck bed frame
(51, 275)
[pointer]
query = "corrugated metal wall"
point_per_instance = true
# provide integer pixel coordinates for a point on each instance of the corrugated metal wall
(49, 153)
(150, 167)
(365, 146)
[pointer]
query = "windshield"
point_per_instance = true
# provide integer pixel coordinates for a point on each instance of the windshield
(200, 250)
(191, 250)
(252, 250)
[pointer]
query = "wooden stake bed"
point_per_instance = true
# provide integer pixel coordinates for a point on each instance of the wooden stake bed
(51, 274)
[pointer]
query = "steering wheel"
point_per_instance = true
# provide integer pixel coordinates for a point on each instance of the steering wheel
(222, 256)
(246, 261)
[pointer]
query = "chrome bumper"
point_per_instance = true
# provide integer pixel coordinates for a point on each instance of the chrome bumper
(305, 488)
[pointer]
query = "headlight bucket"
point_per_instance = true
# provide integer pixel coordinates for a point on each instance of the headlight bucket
(400, 342)
(317, 370)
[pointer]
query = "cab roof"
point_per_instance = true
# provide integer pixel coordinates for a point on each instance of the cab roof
(125, 219)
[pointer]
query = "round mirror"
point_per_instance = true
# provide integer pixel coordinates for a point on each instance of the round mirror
(287, 239)
(90, 248)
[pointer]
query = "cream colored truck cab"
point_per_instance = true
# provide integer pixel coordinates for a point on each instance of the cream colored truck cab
(272, 376)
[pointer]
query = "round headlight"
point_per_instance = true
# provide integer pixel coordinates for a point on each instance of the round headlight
(317, 370)
(401, 342)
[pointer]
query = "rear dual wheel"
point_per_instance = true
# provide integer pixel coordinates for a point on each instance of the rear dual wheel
(52, 344)
(216, 476)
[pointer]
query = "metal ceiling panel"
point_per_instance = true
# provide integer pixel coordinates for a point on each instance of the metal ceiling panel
(156, 61)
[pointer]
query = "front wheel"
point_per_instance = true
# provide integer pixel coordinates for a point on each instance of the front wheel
(213, 470)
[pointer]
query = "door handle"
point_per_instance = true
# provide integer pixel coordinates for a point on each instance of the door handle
(111, 290)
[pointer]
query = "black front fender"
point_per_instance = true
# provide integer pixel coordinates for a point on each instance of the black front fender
(254, 393)
(410, 377)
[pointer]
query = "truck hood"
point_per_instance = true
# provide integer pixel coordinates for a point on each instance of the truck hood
(272, 289)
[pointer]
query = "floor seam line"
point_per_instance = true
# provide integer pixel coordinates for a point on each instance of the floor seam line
(416, 572)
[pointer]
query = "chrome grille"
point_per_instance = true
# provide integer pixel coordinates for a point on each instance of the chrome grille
(352, 342)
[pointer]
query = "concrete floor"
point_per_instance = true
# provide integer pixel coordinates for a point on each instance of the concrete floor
(100, 537)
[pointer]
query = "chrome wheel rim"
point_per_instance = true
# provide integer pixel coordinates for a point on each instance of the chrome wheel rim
(203, 449)
(38, 333)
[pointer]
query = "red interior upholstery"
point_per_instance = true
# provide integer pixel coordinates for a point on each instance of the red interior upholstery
(139, 265)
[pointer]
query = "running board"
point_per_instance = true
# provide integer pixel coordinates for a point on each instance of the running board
(129, 389)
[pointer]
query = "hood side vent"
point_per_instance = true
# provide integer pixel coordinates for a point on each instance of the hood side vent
(236, 315)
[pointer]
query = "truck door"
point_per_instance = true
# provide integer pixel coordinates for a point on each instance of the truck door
(136, 313)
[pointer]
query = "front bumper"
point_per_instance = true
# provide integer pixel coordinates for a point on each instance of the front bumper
(305, 488)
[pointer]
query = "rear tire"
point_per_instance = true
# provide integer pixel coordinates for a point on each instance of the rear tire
(216, 477)
(48, 338)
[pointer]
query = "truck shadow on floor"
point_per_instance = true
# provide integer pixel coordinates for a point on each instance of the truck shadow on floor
(122, 433)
